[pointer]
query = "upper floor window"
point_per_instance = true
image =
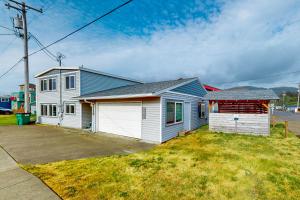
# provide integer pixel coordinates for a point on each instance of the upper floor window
(52, 84)
(44, 85)
(70, 82)
(4, 99)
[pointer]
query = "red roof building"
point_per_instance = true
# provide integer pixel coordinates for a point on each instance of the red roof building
(211, 89)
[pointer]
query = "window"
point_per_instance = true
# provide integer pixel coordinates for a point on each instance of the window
(174, 112)
(44, 110)
(4, 99)
(179, 113)
(70, 109)
(201, 110)
(44, 85)
(52, 84)
(52, 110)
(70, 82)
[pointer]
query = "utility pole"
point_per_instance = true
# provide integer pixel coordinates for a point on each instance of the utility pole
(22, 7)
(283, 106)
(59, 57)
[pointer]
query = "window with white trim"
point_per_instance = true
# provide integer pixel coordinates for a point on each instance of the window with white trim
(44, 85)
(70, 108)
(70, 81)
(174, 112)
(201, 110)
(52, 84)
(4, 99)
(44, 109)
(52, 110)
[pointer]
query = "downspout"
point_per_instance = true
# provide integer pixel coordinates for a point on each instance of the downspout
(93, 125)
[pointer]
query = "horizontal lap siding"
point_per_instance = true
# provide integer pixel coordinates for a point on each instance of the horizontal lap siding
(171, 131)
(52, 97)
(192, 88)
(151, 125)
(91, 82)
(246, 124)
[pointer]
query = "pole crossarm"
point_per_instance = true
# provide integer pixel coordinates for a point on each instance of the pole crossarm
(26, 6)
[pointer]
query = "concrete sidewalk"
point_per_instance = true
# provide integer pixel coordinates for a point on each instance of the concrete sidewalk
(15, 183)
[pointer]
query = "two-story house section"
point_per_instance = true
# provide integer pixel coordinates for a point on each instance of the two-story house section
(57, 86)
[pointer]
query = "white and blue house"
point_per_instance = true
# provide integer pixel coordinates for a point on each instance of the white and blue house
(85, 98)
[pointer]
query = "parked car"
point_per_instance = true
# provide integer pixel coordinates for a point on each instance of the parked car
(5, 111)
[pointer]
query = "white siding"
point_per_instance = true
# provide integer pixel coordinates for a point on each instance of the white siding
(170, 131)
(46, 97)
(151, 125)
(258, 124)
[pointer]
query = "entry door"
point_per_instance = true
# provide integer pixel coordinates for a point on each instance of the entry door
(187, 116)
(121, 119)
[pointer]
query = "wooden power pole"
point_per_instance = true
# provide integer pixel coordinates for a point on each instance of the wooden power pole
(22, 7)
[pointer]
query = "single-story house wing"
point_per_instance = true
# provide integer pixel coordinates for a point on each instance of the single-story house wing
(154, 112)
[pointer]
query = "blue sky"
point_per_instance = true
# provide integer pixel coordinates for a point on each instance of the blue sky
(217, 41)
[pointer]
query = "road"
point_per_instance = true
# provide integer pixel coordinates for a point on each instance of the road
(292, 118)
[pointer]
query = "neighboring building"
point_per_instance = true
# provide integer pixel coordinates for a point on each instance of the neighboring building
(211, 88)
(5, 102)
(17, 98)
(245, 112)
(55, 103)
(153, 112)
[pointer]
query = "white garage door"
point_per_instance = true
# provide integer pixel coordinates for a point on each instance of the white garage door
(120, 118)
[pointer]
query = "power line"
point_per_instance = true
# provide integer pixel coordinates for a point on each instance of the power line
(68, 35)
(82, 27)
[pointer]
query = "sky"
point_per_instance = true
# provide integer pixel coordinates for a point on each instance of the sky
(225, 43)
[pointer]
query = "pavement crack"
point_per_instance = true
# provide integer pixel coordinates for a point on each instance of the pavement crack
(8, 186)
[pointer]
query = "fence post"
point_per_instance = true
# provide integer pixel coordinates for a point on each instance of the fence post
(286, 128)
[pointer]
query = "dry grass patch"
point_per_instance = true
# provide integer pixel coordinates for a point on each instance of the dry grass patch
(202, 165)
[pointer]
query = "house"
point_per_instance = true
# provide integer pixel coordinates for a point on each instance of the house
(211, 88)
(5, 104)
(17, 98)
(246, 112)
(57, 86)
(153, 112)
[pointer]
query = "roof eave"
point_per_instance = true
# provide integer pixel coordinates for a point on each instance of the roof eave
(115, 97)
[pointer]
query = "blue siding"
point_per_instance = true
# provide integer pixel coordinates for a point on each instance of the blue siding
(91, 82)
(193, 88)
(6, 105)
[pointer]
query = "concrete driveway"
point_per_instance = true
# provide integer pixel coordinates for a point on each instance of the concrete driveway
(37, 144)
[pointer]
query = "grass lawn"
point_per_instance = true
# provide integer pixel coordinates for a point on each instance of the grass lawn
(12, 120)
(202, 165)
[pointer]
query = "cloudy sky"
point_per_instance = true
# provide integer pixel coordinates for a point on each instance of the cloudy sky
(224, 43)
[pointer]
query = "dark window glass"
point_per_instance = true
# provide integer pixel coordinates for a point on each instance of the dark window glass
(67, 82)
(179, 112)
(170, 112)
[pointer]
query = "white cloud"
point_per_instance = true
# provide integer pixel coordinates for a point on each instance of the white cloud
(246, 40)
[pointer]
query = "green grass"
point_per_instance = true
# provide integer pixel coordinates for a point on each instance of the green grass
(12, 120)
(202, 165)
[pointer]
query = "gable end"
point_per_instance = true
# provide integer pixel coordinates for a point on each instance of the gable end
(193, 88)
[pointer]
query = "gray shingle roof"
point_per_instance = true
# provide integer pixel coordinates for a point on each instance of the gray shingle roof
(145, 88)
(242, 95)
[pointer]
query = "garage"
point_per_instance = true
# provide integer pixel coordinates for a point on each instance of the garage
(120, 118)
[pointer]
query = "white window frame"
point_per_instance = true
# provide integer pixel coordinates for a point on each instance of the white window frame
(70, 104)
(41, 107)
(201, 110)
(49, 111)
(175, 107)
(70, 88)
(52, 84)
(42, 88)
(4, 100)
